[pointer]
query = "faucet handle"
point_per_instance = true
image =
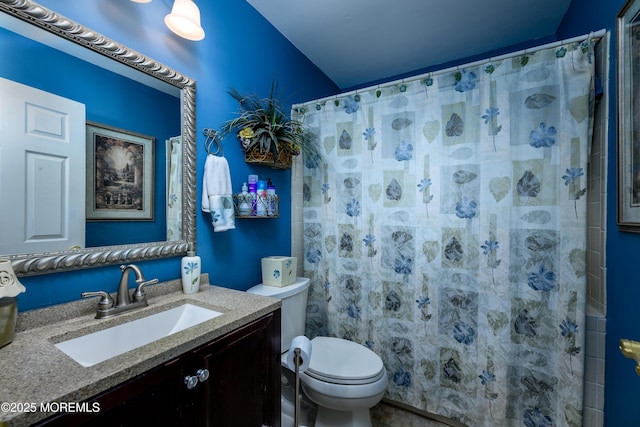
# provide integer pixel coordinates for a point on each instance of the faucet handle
(105, 302)
(140, 294)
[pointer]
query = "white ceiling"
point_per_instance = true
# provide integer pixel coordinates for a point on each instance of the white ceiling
(355, 42)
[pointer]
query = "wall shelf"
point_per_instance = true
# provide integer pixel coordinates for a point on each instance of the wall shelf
(269, 204)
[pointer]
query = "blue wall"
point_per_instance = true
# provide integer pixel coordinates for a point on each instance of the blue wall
(240, 49)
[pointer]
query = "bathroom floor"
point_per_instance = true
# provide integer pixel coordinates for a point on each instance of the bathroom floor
(385, 415)
(382, 415)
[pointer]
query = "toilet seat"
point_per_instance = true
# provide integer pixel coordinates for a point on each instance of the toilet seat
(344, 380)
(339, 361)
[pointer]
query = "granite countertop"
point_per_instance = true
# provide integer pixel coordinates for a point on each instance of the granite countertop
(34, 371)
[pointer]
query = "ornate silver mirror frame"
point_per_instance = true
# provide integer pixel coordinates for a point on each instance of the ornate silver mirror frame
(39, 263)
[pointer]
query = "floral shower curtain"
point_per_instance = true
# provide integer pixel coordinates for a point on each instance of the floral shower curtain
(446, 231)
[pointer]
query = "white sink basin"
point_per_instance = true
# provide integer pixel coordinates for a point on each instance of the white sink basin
(99, 346)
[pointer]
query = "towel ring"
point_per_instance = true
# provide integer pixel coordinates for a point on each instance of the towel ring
(212, 137)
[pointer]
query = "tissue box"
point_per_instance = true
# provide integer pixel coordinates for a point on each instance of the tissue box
(279, 270)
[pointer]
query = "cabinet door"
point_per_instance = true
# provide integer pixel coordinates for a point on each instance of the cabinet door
(153, 398)
(243, 389)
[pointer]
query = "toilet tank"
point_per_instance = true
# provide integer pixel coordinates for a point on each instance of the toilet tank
(294, 307)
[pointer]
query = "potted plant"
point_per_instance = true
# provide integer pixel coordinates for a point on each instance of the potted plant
(267, 134)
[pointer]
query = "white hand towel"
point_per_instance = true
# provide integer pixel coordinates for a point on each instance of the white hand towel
(217, 193)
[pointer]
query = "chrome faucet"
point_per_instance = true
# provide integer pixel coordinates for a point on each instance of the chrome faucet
(124, 301)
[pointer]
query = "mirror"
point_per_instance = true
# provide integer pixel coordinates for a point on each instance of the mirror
(38, 23)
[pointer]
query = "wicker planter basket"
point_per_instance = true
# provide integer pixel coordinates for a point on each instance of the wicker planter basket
(256, 156)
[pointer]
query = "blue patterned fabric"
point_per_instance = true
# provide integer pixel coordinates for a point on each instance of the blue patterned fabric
(446, 231)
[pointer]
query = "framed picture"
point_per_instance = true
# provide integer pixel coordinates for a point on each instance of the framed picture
(628, 84)
(119, 174)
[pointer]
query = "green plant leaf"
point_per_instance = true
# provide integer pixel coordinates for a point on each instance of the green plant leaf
(274, 130)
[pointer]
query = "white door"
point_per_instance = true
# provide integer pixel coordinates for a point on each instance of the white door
(42, 170)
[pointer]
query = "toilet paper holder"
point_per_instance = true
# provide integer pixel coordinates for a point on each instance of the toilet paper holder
(297, 360)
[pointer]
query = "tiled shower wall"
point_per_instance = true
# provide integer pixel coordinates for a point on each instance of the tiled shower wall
(596, 256)
(296, 213)
(596, 240)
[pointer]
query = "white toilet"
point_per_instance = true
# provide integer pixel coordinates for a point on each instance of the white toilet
(344, 378)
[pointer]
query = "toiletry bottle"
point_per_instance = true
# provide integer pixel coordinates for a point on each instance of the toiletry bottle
(261, 203)
(244, 201)
(191, 266)
(253, 188)
(271, 198)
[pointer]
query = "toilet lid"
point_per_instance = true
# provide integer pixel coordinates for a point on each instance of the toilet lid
(343, 362)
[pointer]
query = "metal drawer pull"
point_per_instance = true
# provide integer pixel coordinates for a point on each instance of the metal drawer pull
(202, 374)
(192, 380)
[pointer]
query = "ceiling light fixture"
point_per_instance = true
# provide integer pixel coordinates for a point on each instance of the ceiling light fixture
(184, 20)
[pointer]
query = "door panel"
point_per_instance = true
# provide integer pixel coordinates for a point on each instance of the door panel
(42, 156)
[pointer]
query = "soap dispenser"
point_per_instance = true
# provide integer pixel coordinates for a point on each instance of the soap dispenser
(244, 205)
(190, 271)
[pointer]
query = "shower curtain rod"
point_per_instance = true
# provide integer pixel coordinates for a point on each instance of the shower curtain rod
(593, 35)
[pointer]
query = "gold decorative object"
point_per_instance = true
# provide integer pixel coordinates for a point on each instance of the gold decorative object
(631, 349)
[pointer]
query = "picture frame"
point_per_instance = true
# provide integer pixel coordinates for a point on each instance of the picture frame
(120, 174)
(628, 84)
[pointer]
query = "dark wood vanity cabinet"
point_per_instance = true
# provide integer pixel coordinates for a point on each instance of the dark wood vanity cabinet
(242, 388)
